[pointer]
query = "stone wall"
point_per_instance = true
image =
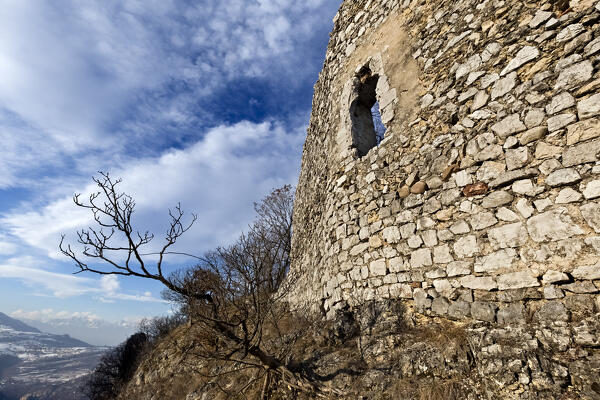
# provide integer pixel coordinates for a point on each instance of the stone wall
(482, 204)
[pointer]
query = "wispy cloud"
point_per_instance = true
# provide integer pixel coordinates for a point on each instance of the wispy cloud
(219, 178)
(113, 77)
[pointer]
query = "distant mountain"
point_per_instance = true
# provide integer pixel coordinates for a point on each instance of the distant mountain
(96, 332)
(16, 324)
(47, 366)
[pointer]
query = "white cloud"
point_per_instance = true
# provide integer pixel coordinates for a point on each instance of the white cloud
(82, 77)
(218, 178)
(62, 285)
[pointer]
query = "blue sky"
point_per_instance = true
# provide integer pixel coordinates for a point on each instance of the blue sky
(204, 103)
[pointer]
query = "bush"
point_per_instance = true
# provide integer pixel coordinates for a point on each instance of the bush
(116, 368)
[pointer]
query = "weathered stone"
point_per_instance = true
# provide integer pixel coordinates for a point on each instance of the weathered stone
(378, 268)
(553, 292)
(422, 301)
(487, 80)
(525, 55)
(565, 176)
(401, 290)
(544, 150)
(506, 215)
(391, 234)
(583, 130)
(592, 190)
(533, 134)
(418, 188)
(420, 258)
(478, 283)
(552, 225)
(480, 100)
(552, 311)
(491, 152)
(466, 247)
(483, 220)
(567, 195)
(569, 32)
(526, 187)
(415, 241)
(496, 199)
(483, 311)
(440, 306)
(490, 170)
(459, 309)
(510, 235)
(517, 158)
(511, 176)
(539, 18)
(560, 102)
(560, 121)
(463, 178)
(441, 254)
(542, 204)
(511, 314)
(524, 208)
(503, 86)
(457, 268)
(581, 287)
(581, 153)
(404, 192)
(589, 107)
(574, 75)
(592, 47)
(464, 96)
(517, 280)
(495, 261)
(508, 126)
(396, 264)
(374, 241)
(534, 117)
(475, 189)
(591, 214)
(552, 276)
(589, 272)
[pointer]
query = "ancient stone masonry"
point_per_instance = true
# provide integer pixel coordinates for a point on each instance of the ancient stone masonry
(482, 203)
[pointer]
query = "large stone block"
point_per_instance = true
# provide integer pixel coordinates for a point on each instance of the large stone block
(391, 234)
(581, 153)
(498, 260)
(588, 272)
(552, 225)
(466, 247)
(378, 267)
(510, 235)
(508, 126)
(459, 309)
(478, 282)
(517, 280)
(420, 258)
(511, 314)
(591, 214)
(483, 311)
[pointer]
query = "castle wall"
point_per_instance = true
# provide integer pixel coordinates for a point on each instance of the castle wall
(482, 204)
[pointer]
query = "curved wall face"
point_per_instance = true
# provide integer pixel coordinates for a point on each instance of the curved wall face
(482, 203)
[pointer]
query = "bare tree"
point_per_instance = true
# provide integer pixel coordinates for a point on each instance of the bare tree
(232, 294)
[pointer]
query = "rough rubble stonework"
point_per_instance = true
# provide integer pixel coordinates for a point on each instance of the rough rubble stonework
(482, 203)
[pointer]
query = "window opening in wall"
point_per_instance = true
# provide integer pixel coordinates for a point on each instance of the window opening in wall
(368, 129)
